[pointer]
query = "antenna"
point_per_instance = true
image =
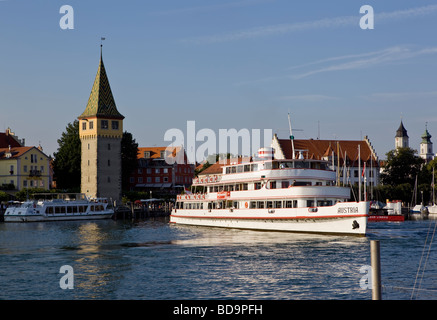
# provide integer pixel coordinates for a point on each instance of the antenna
(291, 137)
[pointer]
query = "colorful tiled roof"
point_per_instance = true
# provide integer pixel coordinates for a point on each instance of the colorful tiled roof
(101, 102)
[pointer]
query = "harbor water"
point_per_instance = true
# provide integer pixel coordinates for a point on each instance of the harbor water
(152, 259)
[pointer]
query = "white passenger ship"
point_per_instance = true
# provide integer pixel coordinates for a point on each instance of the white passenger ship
(63, 207)
(297, 195)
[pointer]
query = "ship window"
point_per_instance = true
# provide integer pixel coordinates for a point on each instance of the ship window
(269, 204)
(245, 186)
(69, 209)
(49, 210)
(252, 205)
(260, 204)
(255, 167)
(240, 169)
(310, 203)
(285, 184)
(257, 185)
(273, 185)
(246, 167)
(302, 164)
(74, 209)
(324, 203)
(302, 183)
(278, 204)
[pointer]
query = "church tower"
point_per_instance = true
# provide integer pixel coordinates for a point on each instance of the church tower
(101, 131)
(401, 138)
(426, 146)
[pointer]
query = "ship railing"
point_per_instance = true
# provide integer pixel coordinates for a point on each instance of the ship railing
(208, 179)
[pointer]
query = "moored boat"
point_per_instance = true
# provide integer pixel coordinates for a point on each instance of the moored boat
(295, 195)
(59, 207)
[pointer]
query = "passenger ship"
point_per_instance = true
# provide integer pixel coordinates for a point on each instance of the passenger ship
(63, 207)
(296, 195)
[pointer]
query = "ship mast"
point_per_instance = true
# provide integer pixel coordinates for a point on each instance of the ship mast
(291, 137)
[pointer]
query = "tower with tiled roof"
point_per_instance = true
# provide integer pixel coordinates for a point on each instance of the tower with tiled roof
(101, 131)
(426, 146)
(401, 138)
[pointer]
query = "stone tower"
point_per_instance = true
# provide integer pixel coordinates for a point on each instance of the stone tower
(426, 146)
(401, 138)
(101, 131)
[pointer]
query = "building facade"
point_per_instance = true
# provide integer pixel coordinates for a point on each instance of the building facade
(158, 173)
(24, 167)
(101, 131)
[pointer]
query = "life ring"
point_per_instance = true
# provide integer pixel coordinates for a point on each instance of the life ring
(246, 205)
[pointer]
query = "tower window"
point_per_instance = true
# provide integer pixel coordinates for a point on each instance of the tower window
(104, 124)
(91, 124)
(109, 146)
(115, 125)
(84, 125)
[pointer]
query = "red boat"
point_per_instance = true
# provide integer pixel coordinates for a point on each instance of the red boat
(383, 217)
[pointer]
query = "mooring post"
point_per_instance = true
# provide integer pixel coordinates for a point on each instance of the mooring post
(376, 269)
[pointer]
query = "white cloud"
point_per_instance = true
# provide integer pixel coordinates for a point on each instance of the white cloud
(308, 98)
(286, 28)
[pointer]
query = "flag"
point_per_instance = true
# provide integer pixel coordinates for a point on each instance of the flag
(187, 191)
(364, 170)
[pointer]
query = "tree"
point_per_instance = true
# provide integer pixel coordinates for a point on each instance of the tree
(402, 167)
(129, 162)
(66, 165)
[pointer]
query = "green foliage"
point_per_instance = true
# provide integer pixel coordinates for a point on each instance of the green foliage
(28, 193)
(402, 167)
(3, 196)
(66, 165)
(129, 162)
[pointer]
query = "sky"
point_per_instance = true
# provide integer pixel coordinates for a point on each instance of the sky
(242, 64)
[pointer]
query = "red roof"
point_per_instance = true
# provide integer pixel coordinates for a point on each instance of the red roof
(317, 149)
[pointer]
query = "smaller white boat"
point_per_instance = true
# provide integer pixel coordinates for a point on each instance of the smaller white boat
(60, 207)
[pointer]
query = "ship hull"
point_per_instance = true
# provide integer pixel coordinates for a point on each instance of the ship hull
(343, 218)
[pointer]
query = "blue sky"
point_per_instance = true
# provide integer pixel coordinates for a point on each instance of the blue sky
(225, 64)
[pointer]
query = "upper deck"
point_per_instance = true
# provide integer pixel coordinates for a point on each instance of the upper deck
(270, 169)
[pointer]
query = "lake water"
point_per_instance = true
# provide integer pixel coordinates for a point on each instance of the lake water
(151, 259)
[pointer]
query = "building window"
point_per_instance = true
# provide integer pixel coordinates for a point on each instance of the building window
(114, 125)
(162, 154)
(131, 179)
(140, 171)
(84, 125)
(165, 170)
(149, 179)
(157, 170)
(157, 179)
(91, 124)
(109, 163)
(109, 179)
(109, 146)
(165, 179)
(25, 183)
(146, 154)
(140, 179)
(104, 124)
(149, 171)
(25, 168)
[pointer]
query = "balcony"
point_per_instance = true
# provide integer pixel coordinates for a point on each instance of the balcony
(35, 173)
